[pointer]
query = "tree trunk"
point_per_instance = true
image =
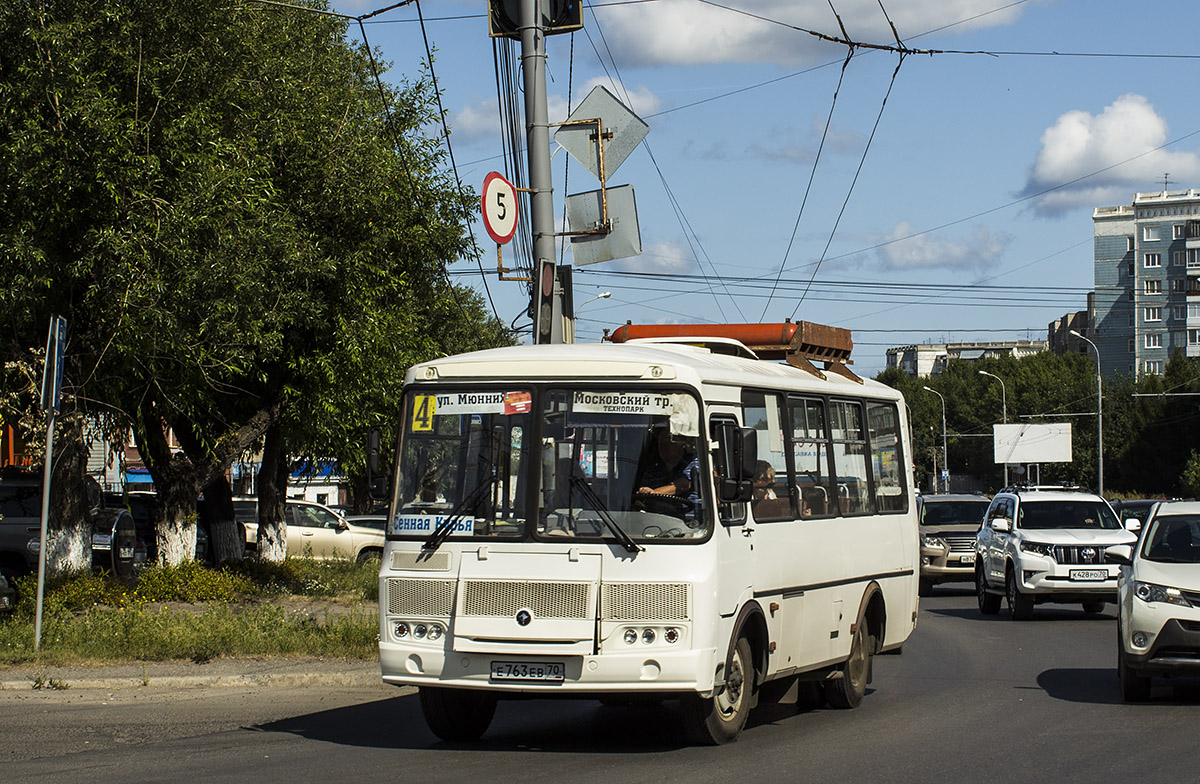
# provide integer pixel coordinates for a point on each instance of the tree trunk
(68, 527)
(226, 537)
(272, 497)
(175, 533)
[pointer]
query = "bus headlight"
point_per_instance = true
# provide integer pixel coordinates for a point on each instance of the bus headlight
(631, 636)
(419, 630)
(400, 629)
(671, 635)
(648, 636)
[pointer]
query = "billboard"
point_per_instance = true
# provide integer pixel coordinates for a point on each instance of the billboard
(1032, 443)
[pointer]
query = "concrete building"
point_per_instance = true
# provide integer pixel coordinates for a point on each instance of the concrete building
(930, 359)
(1146, 301)
(1058, 333)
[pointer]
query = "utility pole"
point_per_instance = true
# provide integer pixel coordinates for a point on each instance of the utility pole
(547, 288)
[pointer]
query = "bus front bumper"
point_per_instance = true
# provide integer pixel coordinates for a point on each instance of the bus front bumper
(650, 670)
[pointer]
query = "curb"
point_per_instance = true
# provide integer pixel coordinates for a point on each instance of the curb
(281, 680)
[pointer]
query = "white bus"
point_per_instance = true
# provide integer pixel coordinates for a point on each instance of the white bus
(585, 521)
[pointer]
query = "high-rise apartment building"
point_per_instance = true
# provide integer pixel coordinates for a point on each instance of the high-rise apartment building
(1146, 299)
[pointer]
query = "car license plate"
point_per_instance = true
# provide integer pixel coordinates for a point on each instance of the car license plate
(1089, 574)
(968, 558)
(544, 672)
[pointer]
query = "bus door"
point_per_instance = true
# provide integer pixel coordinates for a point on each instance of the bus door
(734, 532)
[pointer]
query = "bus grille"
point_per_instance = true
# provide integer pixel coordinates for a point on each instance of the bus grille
(504, 598)
(419, 561)
(646, 602)
(429, 598)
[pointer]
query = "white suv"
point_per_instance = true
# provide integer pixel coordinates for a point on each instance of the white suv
(1158, 620)
(1038, 545)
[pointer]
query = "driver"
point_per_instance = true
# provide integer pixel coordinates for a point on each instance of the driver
(671, 468)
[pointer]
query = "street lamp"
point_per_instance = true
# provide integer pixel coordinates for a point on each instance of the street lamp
(945, 454)
(1099, 419)
(601, 295)
(1003, 408)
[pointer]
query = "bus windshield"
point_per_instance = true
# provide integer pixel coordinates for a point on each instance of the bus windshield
(465, 457)
(629, 458)
(619, 466)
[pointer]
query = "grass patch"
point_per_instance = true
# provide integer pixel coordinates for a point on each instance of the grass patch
(234, 611)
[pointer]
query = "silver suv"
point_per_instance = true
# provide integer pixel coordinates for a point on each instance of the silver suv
(1047, 545)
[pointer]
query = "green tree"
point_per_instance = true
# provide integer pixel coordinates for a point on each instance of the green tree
(236, 228)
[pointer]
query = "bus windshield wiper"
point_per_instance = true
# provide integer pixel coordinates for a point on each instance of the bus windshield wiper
(442, 532)
(617, 531)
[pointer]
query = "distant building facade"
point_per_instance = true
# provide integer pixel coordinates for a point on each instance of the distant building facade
(930, 359)
(1058, 333)
(1146, 299)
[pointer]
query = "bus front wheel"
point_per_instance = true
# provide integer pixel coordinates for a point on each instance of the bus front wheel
(719, 719)
(457, 714)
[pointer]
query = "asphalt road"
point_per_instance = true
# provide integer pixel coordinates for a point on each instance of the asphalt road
(971, 699)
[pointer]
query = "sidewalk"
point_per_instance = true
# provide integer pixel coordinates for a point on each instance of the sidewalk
(281, 672)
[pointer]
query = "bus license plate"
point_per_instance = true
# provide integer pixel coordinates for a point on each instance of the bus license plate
(968, 558)
(1089, 574)
(544, 672)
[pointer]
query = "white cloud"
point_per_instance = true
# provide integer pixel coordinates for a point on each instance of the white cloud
(925, 251)
(477, 122)
(684, 32)
(659, 257)
(1116, 151)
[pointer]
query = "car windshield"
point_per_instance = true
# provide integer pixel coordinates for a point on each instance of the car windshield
(952, 512)
(1173, 539)
(626, 459)
(1081, 514)
(464, 456)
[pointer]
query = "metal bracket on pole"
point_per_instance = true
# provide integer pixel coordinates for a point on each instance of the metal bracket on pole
(600, 135)
(501, 269)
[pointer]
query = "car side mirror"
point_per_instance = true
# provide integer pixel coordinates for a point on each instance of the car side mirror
(1119, 553)
(1133, 524)
(1001, 524)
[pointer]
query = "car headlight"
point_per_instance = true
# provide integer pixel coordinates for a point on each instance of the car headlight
(932, 541)
(1150, 593)
(1038, 548)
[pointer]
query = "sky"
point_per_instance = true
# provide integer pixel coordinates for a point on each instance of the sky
(948, 199)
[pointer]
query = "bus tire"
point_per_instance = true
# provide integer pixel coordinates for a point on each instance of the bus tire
(719, 719)
(457, 714)
(848, 690)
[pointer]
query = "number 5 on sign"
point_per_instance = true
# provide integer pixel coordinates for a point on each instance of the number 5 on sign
(499, 207)
(424, 409)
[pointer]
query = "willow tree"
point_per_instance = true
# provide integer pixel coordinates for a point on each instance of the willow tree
(222, 203)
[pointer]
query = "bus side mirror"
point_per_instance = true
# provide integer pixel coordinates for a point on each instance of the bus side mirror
(376, 484)
(737, 454)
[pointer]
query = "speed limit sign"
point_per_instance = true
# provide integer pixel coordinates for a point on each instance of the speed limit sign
(499, 207)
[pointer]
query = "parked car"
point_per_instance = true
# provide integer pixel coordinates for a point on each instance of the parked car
(315, 530)
(1042, 545)
(20, 524)
(375, 521)
(948, 527)
(142, 506)
(1158, 606)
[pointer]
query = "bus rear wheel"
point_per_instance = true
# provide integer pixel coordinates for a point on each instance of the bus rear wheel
(457, 714)
(848, 690)
(719, 719)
